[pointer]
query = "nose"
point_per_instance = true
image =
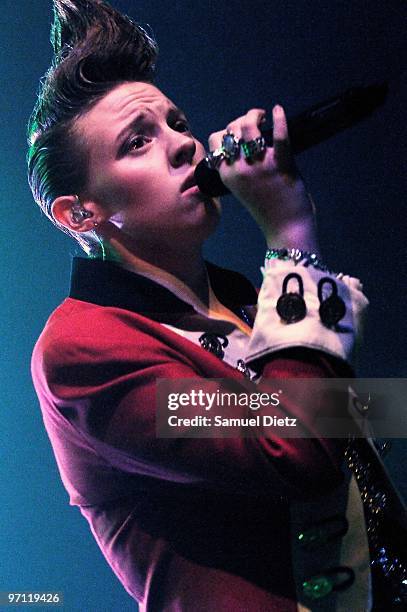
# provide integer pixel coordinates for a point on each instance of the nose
(183, 148)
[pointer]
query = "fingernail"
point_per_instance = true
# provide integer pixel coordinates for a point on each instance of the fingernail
(277, 109)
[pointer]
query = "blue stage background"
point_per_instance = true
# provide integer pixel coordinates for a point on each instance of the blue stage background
(218, 59)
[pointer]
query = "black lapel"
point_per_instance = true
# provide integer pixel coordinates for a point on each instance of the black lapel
(107, 284)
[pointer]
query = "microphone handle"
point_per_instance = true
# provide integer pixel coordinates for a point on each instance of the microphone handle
(309, 128)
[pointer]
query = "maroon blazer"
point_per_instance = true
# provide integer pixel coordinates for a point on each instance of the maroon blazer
(186, 524)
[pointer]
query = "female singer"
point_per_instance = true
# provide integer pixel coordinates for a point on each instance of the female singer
(187, 524)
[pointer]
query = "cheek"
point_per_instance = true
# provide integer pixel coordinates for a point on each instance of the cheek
(123, 187)
(107, 190)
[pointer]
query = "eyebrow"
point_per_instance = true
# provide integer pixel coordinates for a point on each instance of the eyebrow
(140, 118)
(136, 121)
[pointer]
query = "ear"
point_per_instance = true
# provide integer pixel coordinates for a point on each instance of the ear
(63, 210)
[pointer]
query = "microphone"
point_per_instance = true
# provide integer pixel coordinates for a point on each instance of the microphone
(309, 128)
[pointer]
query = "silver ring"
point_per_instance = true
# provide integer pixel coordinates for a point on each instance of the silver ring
(215, 158)
(229, 151)
(231, 147)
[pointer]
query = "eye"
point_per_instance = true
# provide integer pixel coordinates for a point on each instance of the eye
(138, 142)
(181, 125)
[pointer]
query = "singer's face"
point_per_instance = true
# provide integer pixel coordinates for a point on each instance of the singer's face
(141, 164)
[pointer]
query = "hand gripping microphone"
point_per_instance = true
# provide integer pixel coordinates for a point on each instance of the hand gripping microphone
(311, 127)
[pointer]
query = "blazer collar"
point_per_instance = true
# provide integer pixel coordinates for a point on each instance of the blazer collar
(107, 284)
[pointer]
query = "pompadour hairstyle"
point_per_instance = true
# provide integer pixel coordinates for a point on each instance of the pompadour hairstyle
(95, 49)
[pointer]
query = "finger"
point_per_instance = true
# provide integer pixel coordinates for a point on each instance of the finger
(235, 126)
(215, 140)
(246, 127)
(281, 143)
(250, 124)
(280, 129)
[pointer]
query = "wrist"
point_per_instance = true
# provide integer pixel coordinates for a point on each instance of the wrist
(300, 233)
(298, 257)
